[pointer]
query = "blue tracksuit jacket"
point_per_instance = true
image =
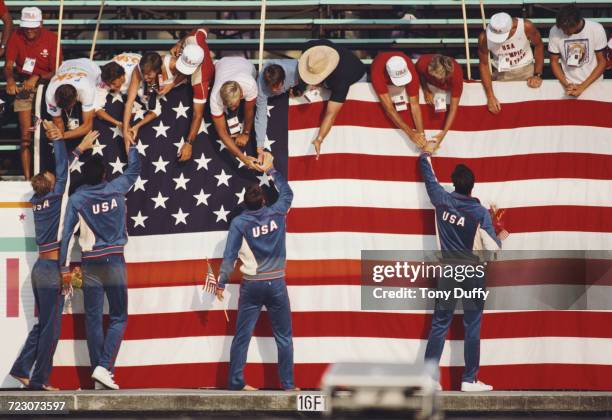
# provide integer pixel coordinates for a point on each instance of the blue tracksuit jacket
(258, 238)
(101, 211)
(49, 208)
(462, 223)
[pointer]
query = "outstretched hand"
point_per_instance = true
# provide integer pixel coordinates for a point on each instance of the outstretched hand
(88, 141)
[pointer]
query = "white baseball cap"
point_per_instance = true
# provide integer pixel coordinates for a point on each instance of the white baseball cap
(190, 59)
(398, 71)
(499, 28)
(31, 17)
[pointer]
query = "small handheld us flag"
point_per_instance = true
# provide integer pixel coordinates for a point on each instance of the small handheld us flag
(210, 284)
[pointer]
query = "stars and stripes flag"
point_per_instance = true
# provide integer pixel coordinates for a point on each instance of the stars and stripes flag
(545, 159)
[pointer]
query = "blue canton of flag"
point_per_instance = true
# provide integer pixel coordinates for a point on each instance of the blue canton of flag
(201, 194)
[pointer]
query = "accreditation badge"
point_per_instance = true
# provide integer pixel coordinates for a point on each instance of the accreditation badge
(28, 65)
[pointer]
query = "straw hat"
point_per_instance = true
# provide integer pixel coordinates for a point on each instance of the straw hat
(317, 63)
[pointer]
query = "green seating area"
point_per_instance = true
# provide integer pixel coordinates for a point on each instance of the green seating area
(365, 26)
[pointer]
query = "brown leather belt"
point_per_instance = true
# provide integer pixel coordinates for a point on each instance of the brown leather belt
(51, 255)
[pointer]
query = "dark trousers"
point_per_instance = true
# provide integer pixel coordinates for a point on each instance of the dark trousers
(104, 275)
(42, 340)
(253, 295)
(441, 321)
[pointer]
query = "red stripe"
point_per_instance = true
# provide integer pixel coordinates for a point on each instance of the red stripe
(348, 272)
(469, 118)
(486, 169)
(356, 324)
(308, 375)
(12, 287)
(421, 222)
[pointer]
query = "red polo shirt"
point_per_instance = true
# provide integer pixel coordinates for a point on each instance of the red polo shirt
(380, 77)
(454, 83)
(42, 49)
(3, 8)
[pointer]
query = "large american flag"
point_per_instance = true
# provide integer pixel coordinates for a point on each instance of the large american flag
(546, 159)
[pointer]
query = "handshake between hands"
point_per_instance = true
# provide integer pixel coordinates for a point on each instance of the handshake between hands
(55, 134)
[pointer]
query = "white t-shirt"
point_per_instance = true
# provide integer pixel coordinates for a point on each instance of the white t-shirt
(84, 75)
(580, 47)
(129, 62)
(239, 70)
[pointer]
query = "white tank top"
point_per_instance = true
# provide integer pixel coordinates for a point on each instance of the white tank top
(513, 53)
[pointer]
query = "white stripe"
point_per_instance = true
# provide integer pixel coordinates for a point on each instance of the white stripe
(348, 298)
(16, 228)
(16, 191)
(345, 245)
(506, 92)
(457, 144)
(60, 228)
(413, 195)
(504, 351)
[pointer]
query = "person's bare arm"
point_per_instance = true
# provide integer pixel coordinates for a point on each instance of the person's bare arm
(555, 66)
(6, 31)
(426, 92)
(576, 90)
(417, 116)
(221, 129)
(105, 116)
(534, 37)
(331, 112)
(249, 116)
(396, 118)
(450, 119)
(485, 74)
(83, 129)
(194, 128)
(11, 86)
(129, 103)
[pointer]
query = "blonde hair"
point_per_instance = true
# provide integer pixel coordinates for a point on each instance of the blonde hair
(440, 66)
(230, 93)
(41, 184)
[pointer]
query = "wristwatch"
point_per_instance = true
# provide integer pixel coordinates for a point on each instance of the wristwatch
(189, 142)
(538, 75)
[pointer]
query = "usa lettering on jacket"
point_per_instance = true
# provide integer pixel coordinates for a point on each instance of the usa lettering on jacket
(40, 206)
(264, 229)
(453, 219)
(104, 207)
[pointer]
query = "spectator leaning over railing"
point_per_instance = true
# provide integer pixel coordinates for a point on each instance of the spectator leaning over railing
(75, 81)
(332, 66)
(115, 78)
(234, 81)
(201, 79)
(509, 41)
(580, 45)
(395, 81)
(7, 30)
(143, 85)
(277, 77)
(440, 75)
(32, 48)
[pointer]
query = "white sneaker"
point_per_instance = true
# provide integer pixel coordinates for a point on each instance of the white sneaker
(475, 387)
(103, 376)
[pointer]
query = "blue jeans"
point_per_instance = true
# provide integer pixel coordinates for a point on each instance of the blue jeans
(441, 321)
(253, 295)
(42, 340)
(104, 275)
